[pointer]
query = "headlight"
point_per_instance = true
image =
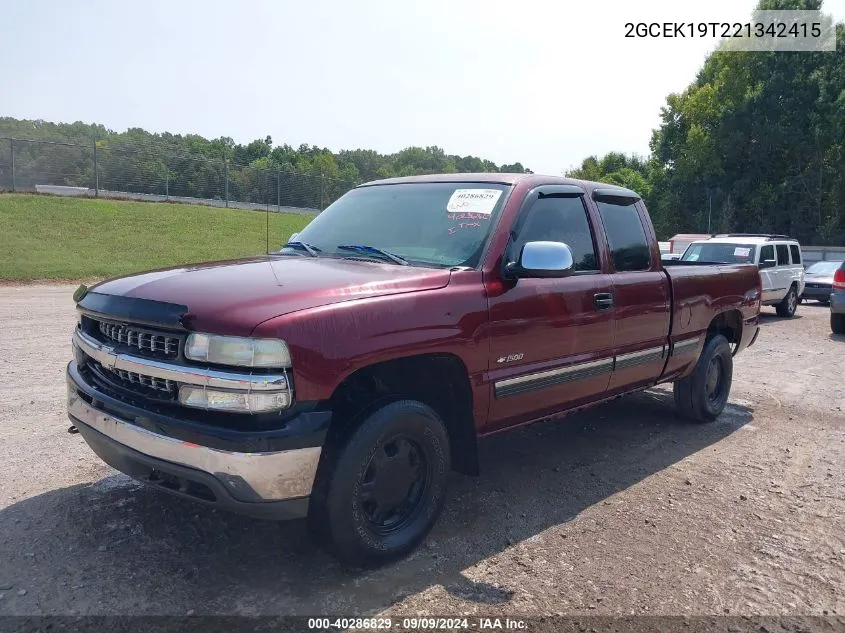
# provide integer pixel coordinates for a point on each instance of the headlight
(233, 401)
(236, 350)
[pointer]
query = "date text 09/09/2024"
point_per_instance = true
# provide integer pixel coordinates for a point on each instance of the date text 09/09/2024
(723, 29)
(417, 624)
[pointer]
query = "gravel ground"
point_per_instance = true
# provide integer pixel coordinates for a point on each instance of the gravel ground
(624, 509)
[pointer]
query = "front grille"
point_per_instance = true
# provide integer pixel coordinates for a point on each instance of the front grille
(161, 345)
(136, 383)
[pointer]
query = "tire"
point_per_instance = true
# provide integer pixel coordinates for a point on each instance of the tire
(837, 323)
(701, 396)
(787, 307)
(396, 461)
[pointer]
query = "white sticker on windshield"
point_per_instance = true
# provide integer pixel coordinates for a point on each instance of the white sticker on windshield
(741, 252)
(473, 201)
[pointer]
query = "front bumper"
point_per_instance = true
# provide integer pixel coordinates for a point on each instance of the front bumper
(270, 484)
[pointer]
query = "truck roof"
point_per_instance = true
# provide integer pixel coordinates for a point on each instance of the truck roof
(498, 178)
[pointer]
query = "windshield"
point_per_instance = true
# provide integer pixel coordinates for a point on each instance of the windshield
(719, 253)
(824, 268)
(427, 224)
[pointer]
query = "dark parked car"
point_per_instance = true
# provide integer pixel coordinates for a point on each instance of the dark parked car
(837, 301)
(819, 281)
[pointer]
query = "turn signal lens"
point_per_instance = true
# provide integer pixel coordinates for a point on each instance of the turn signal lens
(233, 401)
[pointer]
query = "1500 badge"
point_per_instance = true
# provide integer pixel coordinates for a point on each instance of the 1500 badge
(510, 358)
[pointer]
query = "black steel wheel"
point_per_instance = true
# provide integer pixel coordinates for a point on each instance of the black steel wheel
(380, 491)
(703, 394)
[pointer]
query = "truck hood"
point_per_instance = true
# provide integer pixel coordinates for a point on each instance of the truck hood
(232, 297)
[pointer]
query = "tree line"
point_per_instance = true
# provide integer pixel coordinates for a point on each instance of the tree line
(755, 144)
(190, 165)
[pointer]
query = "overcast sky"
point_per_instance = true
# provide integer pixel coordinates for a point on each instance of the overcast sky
(543, 83)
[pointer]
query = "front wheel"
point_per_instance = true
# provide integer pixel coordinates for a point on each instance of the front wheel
(787, 307)
(703, 394)
(379, 493)
(837, 323)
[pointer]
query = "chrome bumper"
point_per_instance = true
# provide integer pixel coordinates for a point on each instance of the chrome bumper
(248, 477)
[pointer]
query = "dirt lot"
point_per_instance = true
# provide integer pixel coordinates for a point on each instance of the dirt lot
(621, 510)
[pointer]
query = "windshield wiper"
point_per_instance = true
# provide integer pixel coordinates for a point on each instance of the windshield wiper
(311, 250)
(396, 259)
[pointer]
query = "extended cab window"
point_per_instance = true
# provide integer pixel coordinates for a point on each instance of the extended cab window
(796, 253)
(625, 235)
(559, 219)
(783, 254)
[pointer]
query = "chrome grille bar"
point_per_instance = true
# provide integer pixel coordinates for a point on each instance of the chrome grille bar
(140, 340)
(111, 358)
(134, 378)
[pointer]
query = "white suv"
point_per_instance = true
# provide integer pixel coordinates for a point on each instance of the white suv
(777, 256)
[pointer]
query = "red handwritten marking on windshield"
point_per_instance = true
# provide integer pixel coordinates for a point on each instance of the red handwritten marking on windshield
(468, 216)
(464, 225)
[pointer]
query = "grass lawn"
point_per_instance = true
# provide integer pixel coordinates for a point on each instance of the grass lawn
(54, 238)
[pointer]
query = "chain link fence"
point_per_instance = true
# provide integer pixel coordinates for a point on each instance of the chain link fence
(143, 173)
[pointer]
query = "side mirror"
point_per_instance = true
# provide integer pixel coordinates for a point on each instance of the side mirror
(767, 263)
(543, 259)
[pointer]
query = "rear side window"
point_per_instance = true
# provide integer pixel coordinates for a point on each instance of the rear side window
(767, 252)
(796, 253)
(783, 254)
(626, 236)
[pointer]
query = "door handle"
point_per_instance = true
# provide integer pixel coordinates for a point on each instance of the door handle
(603, 300)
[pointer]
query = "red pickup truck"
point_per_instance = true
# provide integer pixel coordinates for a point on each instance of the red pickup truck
(342, 377)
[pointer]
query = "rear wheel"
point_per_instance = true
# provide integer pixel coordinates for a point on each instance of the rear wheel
(837, 323)
(703, 394)
(787, 307)
(379, 493)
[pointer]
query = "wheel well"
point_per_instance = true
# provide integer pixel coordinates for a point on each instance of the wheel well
(729, 325)
(439, 380)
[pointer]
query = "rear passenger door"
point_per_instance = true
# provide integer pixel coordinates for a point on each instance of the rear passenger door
(769, 276)
(797, 267)
(640, 292)
(784, 269)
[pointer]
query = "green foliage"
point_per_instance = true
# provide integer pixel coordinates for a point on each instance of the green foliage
(193, 166)
(47, 237)
(760, 136)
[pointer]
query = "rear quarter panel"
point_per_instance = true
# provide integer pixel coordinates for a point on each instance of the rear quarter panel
(700, 294)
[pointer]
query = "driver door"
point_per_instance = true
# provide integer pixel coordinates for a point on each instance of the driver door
(551, 340)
